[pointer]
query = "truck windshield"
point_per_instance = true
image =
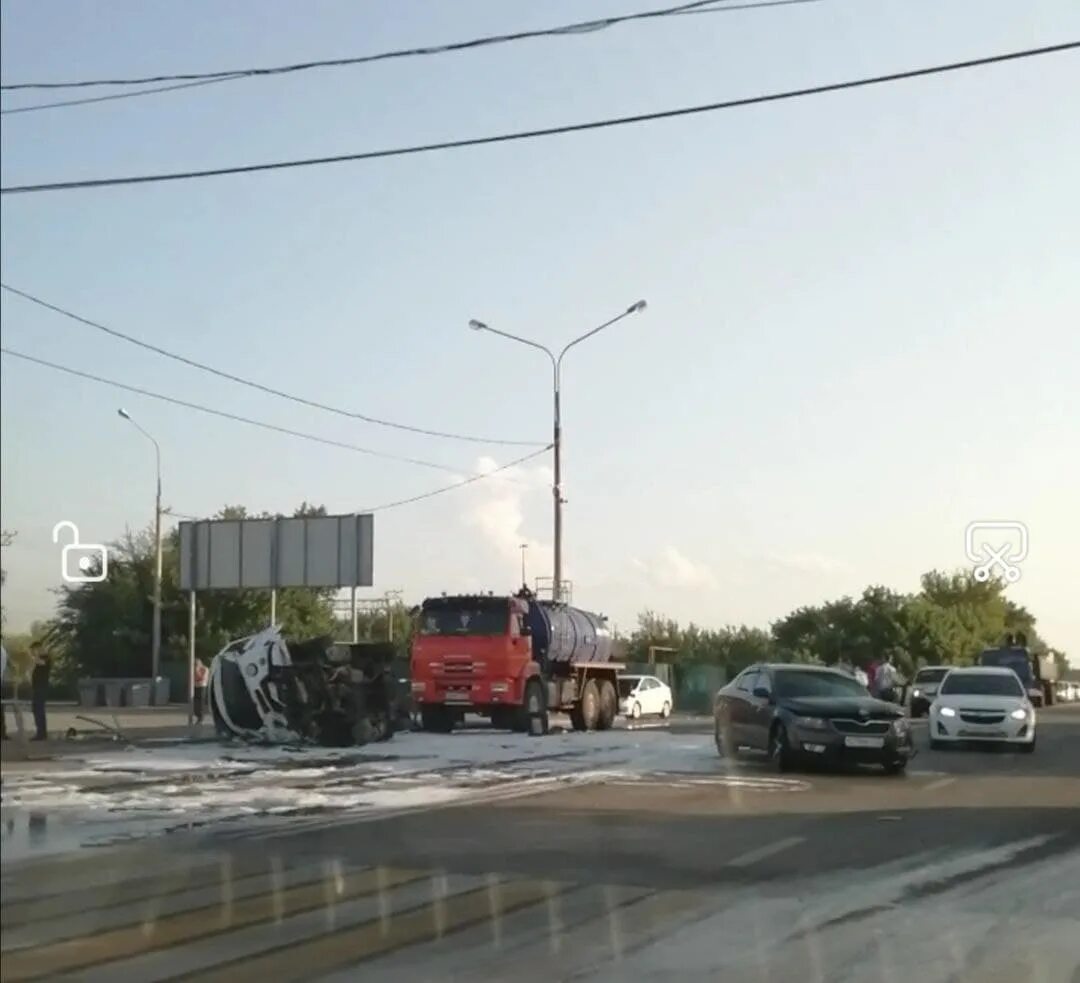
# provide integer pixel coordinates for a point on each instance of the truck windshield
(1016, 661)
(465, 620)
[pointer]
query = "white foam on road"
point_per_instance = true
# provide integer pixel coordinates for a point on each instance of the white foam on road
(109, 797)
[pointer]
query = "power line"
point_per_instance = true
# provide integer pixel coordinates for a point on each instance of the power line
(423, 495)
(457, 484)
(543, 132)
(257, 385)
(578, 27)
(36, 107)
(233, 416)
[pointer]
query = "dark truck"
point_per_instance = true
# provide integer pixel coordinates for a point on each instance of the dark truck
(1037, 673)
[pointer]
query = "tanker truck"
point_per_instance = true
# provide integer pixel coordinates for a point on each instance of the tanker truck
(512, 658)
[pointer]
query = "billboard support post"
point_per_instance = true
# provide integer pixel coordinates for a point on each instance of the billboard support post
(355, 620)
(273, 607)
(191, 660)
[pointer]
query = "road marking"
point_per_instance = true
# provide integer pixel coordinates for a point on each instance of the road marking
(770, 849)
(940, 783)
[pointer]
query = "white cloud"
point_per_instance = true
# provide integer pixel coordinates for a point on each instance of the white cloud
(811, 563)
(499, 510)
(674, 569)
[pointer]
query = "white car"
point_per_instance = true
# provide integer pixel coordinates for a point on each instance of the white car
(642, 696)
(982, 704)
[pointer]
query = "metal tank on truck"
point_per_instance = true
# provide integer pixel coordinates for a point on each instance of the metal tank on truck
(512, 658)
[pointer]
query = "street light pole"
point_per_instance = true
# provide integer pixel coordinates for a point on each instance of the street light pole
(556, 435)
(155, 654)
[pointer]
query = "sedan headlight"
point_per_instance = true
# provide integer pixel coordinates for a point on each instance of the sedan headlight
(916, 692)
(811, 723)
(900, 725)
(1020, 713)
(947, 712)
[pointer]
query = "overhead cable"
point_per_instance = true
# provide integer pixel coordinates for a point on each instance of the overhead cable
(542, 132)
(352, 414)
(233, 416)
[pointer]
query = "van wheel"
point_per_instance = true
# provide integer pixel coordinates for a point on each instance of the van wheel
(609, 705)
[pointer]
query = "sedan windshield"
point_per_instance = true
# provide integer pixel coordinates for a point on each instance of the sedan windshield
(981, 684)
(930, 675)
(802, 682)
(627, 684)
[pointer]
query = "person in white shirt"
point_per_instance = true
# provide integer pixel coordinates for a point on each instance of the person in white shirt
(886, 680)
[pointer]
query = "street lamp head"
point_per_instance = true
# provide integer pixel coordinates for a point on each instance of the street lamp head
(477, 325)
(124, 413)
(636, 308)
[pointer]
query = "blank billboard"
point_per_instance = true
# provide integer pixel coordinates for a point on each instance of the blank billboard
(308, 551)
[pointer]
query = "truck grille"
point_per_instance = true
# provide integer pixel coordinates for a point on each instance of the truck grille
(846, 726)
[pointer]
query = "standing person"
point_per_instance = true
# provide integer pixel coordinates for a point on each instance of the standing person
(199, 693)
(39, 689)
(886, 680)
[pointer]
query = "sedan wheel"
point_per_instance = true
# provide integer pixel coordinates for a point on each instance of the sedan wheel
(665, 711)
(779, 752)
(635, 711)
(723, 740)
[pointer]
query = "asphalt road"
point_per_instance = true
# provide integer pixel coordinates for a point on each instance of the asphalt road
(967, 868)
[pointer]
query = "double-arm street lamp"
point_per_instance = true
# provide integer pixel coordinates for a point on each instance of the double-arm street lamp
(155, 657)
(556, 443)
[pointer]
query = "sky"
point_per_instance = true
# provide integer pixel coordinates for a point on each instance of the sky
(861, 332)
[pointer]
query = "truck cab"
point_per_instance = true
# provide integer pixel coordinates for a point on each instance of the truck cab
(470, 653)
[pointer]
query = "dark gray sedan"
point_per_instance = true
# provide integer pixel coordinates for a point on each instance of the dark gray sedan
(798, 713)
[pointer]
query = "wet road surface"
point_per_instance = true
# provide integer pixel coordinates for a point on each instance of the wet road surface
(968, 868)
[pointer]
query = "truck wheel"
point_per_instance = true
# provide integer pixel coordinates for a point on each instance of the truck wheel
(436, 719)
(534, 709)
(609, 705)
(590, 705)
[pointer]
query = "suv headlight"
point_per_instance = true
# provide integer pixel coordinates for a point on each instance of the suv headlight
(811, 723)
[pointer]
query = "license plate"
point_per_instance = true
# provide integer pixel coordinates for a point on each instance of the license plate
(864, 741)
(457, 696)
(982, 733)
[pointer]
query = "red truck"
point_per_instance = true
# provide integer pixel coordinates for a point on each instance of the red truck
(512, 658)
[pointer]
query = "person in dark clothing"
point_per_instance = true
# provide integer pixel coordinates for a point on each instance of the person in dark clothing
(39, 688)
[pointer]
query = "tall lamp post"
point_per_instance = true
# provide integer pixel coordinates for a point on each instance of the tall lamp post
(556, 442)
(155, 657)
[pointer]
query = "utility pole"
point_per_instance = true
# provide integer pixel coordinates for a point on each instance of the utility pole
(556, 434)
(523, 548)
(155, 650)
